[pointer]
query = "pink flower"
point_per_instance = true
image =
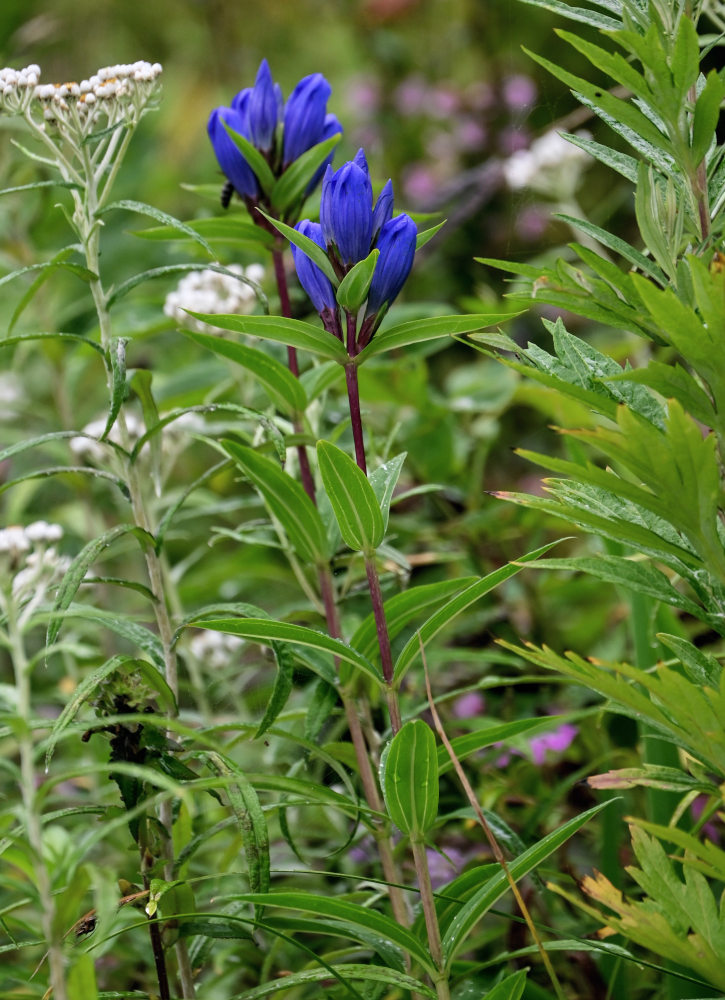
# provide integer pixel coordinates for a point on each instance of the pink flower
(469, 705)
(557, 741)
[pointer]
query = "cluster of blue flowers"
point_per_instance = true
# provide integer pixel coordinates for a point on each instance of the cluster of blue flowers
(257, 113)
(350, 226)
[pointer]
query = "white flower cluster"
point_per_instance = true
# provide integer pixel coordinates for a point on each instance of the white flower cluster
(93, 450)
(210, 291)
(30, 562)
(214, 649)
(112, 94)
(550, 165)
(11, 392)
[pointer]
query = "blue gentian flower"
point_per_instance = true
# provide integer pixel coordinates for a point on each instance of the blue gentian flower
(281, 132)
(315, 283)
(396, 244)
(350, 228)
(233, 164)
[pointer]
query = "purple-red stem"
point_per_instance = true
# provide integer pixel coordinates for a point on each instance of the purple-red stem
(285, 308)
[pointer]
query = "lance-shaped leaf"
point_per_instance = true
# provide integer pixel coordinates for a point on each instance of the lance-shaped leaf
(278, 381)
(293, 183)
(292, 332)
(409, 775)
(352, 498)
(286, 500)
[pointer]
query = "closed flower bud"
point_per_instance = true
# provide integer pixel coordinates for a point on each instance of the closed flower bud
(304, 116)
(346, 212)
(230, 159)
(315, 283)
(383, 210)
(396, 244)
(262, 109)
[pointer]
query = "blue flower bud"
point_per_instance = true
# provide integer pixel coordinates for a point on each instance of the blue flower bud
(230, 159)
(383, 210)
(262, 109)
(396, 244)
(346, 212)
(304, 116)
(315, 283)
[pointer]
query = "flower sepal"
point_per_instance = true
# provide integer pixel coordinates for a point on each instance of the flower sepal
(354, 287)
(254, 159)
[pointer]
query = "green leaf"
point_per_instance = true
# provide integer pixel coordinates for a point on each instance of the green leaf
(292, 186)
(82, 978)
(277, 380)
(40, 184)
(231, 228)
(454, 607)
(383, 481)
(349, 913)
(77, 570)
(292, 332)
(702, 668)
(119, 391)
(57, 262)
(621, 162)
(671, 381)
(707, 115)
(403, 608)
(491, 734)
(427, 235)
(163, 217)
(160, 272)
(616, 244)
(81, 694)
(346, 973)
(409, 777)
(355, 285)
(510, 988)
(282, 687)
(22, 338)
(480, 903)
(248, 812)
(264, 631)
(254, 158)
(141, 384)
(286, 500)
(58, 470)
(352, 499)
(419, 330)
(306, 245)
(582, 14)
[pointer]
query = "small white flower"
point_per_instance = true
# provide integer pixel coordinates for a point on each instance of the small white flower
(550, 165)
(214, 649)
(210, 291)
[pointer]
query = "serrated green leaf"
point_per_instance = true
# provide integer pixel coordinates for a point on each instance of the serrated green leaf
(280, 384)
(702, 668)
(286, 500)
(409, 778)
(352, 499)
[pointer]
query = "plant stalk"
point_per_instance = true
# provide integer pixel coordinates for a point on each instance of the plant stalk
(427, 899)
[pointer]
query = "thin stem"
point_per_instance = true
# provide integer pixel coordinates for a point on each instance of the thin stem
(29, 794)
(386, 655)
(286, 309)
(353, 395)
(420, 858)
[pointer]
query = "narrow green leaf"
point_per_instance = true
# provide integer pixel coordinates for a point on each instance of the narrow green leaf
(40, 184)
(59, 470)
(471, 912)
(280, 384)
(264, 631)
(292, 186)
(419, 330)
(286, 500)
(345, 973)
(454, 607)
(621, 162)
(582, 14)
(617, 245)
(82, 978)
(248, 812)
(383, 481)
(51, 265)
(350, 913)
(427, 235)
(308, 246)
(117, 358)
(702, 668)
(707, 115)
(355, 285)
(22, 338)
(469, 743)
(141, 385)
(163, 217)
(77, 570)
(352, 499)
(510, 988)
(409, 777)
(254, 158)
(292, 332)
(232, 228)
(160, 272)
(282, 687)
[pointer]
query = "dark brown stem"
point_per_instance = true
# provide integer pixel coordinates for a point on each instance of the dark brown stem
(286, 310)
(386, 655)
(353, 396)
(157, 947)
